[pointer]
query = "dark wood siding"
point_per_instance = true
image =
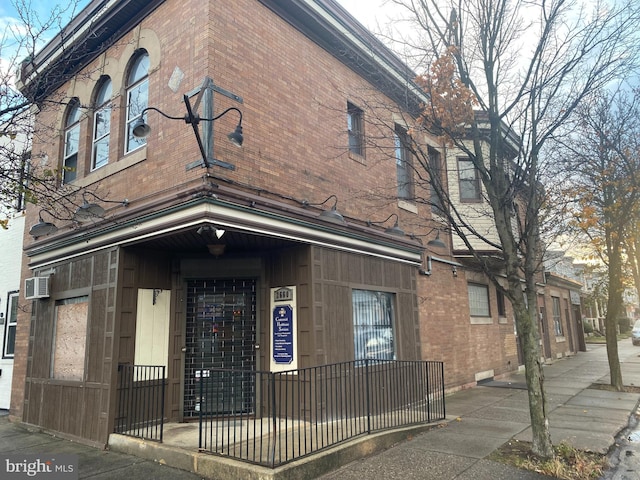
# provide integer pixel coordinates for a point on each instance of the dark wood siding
(77, 409)
(335, 275)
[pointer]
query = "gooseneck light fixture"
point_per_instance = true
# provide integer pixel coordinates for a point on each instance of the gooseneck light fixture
(90, 211)
(331, 215)
(141, 129)
(42, 228)
(395, 230)
(436, 242)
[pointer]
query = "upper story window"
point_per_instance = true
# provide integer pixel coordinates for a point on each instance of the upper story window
(435, 167)
(71, 142)
(468, 181)
(404, 165)
(355, 127)
(101, 125)
(137, 98)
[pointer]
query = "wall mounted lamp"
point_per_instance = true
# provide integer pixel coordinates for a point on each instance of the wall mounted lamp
(436, 242)
(395, 230)
(431, 258)
(42, 228)
(331, 215)
(90, 211)
(141, 129)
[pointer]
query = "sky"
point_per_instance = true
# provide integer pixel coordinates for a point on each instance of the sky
(366, 11)
(369, 12)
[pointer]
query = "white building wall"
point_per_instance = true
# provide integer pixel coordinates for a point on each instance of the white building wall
(478, 215)
(10, 265)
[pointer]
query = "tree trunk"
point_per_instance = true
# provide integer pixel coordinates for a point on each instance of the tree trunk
(527, 327)
(614, 304)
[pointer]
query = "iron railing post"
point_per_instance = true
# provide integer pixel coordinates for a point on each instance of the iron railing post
(200, 417)
(368, 393)
(162, 403)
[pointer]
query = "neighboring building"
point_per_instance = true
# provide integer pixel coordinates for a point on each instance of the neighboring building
(11, 239)
(562, 306)
(173, 264)
(10, 263)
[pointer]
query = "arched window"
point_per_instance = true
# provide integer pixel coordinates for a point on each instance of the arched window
(137, 98)
(101, 125)
(71, 142)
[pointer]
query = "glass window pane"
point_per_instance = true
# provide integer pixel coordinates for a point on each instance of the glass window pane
(139, 69)
(373, 319)
(478, 300)
(72, 139)
(101, 152)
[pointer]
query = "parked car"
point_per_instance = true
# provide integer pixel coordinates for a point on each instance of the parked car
(635, 333)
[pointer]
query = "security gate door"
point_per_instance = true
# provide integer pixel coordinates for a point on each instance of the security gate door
(221, 334)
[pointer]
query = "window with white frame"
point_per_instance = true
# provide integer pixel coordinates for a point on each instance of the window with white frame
(557, 316)
(478, 300)
(355, 128)
(101, 124)
(373, 324)
(404, 165)
(137, 98)
(11, 315)
(71, 142)
(468, 181)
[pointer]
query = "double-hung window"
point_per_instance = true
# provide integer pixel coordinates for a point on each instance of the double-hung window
(101, 125)
(404, 165)
(468, 181)
(10, 327)
(137, 98)
(71, 142)
(355, 127)
(373, 325)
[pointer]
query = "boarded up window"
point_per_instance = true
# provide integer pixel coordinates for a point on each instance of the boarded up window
(70, 338)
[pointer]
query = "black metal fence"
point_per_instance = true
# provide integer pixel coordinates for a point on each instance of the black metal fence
(140, 409)
(271, 419)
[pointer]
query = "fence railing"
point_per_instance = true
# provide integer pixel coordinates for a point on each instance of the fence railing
(140, 408)
(271, 418)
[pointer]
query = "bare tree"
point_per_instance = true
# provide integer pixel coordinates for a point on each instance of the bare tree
(503, 78)
(22, 179)
(604, 158)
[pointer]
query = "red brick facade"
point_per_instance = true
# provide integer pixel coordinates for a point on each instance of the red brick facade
(294, 98)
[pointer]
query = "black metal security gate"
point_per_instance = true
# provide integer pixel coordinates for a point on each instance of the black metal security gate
(221, 333)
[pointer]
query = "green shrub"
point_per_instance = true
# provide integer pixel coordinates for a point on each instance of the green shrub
(588, 328)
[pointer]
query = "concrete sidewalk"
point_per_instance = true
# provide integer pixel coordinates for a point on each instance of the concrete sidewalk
(483, 418)
(479, 420)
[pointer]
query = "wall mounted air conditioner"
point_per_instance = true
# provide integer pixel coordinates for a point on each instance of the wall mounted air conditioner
(36, 287)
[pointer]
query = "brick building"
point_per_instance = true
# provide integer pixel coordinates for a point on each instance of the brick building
(167, 252)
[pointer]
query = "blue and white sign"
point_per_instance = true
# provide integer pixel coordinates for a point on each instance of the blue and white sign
(284, 335)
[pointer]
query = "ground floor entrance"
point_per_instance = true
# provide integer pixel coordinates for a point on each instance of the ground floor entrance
(220, 333)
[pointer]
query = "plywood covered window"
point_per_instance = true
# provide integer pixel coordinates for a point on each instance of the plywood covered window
(70, 338)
